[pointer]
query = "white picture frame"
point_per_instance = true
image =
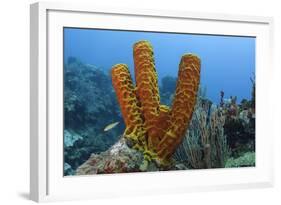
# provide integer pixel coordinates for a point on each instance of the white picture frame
(47, 182)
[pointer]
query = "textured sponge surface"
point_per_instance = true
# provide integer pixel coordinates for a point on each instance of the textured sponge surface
(155, 128)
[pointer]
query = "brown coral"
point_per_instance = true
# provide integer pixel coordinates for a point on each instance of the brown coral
(154, 127)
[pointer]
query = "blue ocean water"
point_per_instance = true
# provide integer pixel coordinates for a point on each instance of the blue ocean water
(227, 62)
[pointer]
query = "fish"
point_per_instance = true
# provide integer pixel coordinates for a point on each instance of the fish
(110, 126)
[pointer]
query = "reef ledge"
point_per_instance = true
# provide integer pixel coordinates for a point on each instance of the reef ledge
(121, 158)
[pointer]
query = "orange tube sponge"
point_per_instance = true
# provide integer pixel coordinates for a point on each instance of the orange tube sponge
(156, 129)
(125, 91)
(183, 105)
(159, 128)
(147, 89)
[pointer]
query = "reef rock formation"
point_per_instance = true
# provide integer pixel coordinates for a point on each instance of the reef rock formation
(155, 129)
(120, 158)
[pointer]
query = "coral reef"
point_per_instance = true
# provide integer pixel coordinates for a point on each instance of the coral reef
(205, 144)
(68, 169)
(155, 129)
(248, 159)
(239, 125)
(70, 138)
(253, 93)
(154, 134)
(219, 136)
(89, 105)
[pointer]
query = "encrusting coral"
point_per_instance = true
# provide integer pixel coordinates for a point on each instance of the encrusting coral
(155, 129)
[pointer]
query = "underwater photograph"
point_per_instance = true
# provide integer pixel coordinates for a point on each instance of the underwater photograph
(141, 101)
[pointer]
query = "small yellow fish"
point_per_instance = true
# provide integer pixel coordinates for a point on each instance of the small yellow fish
(110, 126)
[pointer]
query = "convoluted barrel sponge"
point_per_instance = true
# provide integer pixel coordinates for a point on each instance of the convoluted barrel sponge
(157, 128)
